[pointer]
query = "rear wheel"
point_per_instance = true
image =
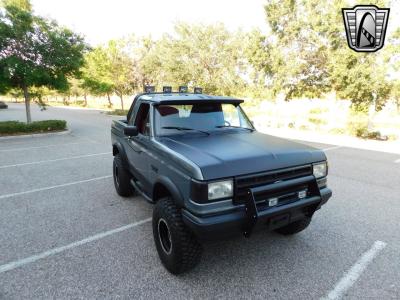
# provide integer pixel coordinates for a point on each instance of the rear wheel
(177, 247)
(294, 227)
(121, 178)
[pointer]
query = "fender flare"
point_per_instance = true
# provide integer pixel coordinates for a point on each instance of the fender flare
(172, 189)
(118, 148)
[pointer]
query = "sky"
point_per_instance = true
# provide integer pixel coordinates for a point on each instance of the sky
(102, 20)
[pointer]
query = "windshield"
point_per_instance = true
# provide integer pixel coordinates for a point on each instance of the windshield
(200, 117)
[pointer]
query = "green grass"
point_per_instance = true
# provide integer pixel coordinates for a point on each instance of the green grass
(16, 127)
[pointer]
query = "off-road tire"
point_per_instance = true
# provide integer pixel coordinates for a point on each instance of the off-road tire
(122, 178)
(294, 227)
(185, 251)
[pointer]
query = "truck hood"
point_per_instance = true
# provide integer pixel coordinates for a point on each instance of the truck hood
(236, 153)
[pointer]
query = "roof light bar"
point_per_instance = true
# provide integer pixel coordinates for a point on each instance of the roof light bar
(198, 90)
(183, 89)
(167, 89)
(149, 89)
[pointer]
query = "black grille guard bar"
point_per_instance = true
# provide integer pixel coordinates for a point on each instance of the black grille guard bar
(251, 206)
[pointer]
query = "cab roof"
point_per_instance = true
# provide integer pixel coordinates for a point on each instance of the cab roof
(169, 98)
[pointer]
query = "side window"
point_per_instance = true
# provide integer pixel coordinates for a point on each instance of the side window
(142, 121)
(135, 106)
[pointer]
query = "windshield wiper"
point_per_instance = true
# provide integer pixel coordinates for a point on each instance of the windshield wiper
(185, 128)
(231, 126)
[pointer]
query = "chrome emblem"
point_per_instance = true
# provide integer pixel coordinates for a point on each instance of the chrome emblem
(365, 27)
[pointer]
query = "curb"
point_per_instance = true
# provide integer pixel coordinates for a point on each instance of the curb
(15, 137)
(392, 147)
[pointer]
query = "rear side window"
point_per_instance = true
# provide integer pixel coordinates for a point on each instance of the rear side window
(142, 120)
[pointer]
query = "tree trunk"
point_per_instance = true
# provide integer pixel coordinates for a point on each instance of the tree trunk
(122, 101)
(85, 97)
(109, 100)
(27, 104)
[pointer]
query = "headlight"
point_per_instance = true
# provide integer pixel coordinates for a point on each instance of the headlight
(320, 170)
(220, 189)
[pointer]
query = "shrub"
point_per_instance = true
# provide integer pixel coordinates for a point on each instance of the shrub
(317, 121)
(318, 110)
(337, 131)
(16, 127)
(118, 112)
(357, 125)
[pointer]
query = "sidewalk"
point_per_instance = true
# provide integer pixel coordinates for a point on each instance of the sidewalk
(339, 140)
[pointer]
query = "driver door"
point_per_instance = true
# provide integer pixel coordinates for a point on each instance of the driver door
(138, 154)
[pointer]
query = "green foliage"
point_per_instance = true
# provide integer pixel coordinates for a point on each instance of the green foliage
(16, 127)
(317, 121)
(308, 54)
(305, 54)
(196, 55)
(357, 124)
(35, 51)
(118, 112)
(110, 69)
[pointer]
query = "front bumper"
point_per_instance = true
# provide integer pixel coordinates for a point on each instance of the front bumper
(233, 223)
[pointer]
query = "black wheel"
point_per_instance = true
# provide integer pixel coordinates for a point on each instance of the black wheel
(121, 178)
(177, 247)
(294, 227)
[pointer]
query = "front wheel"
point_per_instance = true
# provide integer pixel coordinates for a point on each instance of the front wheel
(121, 178)
(177, 247)
(294, 227)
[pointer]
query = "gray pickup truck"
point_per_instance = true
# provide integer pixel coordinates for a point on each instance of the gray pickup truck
(210, 174)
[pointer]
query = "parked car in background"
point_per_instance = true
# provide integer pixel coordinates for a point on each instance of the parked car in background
(3, 105)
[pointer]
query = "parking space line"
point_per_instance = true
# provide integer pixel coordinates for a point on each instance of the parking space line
(45, 146)
(332, 148)
(351, 276)
(53, 187)
(31, 259)
(53, 160)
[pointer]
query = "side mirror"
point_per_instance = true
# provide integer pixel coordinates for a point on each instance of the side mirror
(131, 131)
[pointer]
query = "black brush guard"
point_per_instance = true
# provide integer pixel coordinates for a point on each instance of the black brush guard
(251, 205)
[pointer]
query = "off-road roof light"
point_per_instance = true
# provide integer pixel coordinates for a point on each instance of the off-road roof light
(149, 89)
(183, 89)
(167, 89)
(198, 90)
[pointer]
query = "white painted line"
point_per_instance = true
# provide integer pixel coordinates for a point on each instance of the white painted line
(397, 161)
(54, 160)
(54, 187)
(31, 259)
(45, 146)
(351, 276)
(332, 148)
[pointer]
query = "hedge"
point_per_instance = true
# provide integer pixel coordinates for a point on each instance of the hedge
(16, 127)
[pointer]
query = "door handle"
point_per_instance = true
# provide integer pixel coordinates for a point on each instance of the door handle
(135, 148)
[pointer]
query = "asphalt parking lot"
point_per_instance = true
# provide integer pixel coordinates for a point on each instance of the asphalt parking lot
(65, 233)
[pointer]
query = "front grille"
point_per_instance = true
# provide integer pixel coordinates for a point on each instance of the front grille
(243, 183)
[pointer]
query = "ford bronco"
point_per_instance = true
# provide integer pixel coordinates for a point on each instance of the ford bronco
(210, 174)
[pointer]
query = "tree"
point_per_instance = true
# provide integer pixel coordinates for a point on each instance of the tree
(110, 69)
(199, 55)
(35, 52)
(95, 73)
(306, 54)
